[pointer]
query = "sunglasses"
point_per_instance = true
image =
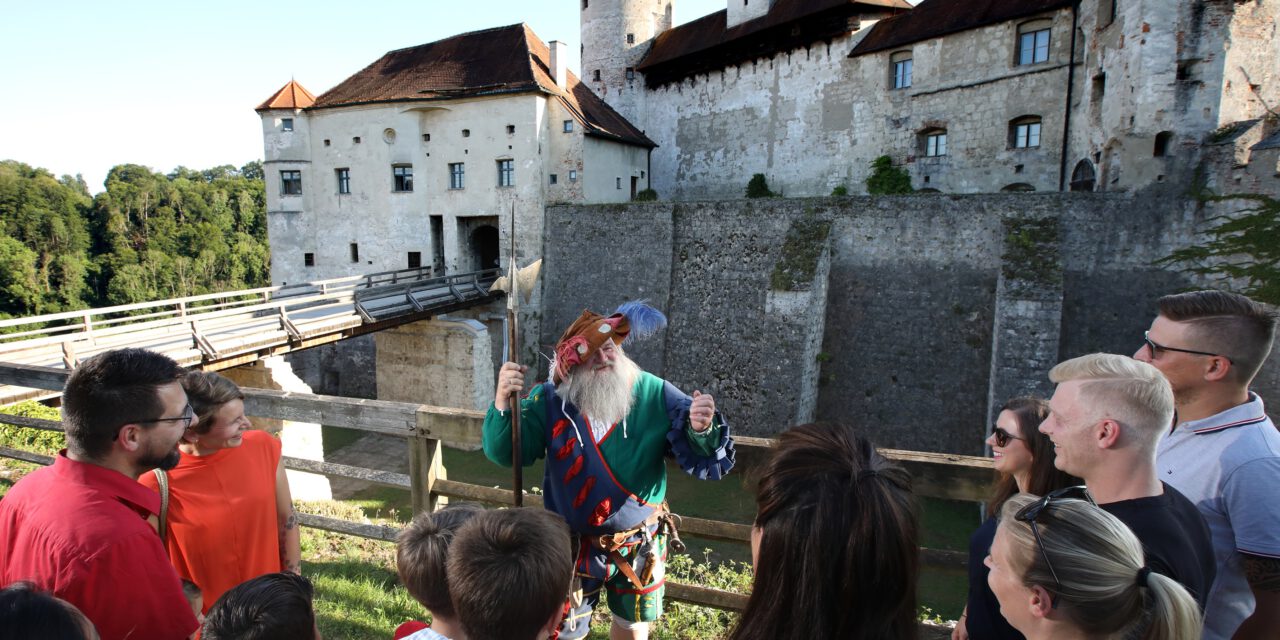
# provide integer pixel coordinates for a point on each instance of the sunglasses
(1031, 512)
(1003, 437)
(1156, 348)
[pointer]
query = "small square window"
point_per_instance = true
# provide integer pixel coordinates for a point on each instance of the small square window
(595, 75)
(326, 142)
(554, 178)
(618, 182)
(466, 133)
(631, 74)
(286, 124)
(344, 180)
(355, 252)
(308, 259)
(631, 38)
(415, 259)
(568, 126)
(935, 143)
(356, 140)
(426, 137)
(511, 129)
(402, 177)
(584, 4)
(573, 175)
(290, 183)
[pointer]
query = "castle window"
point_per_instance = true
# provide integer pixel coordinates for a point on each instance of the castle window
(344, 180)
(355, 140)
(506, 173)
(595, 75)
(568, 126)
(290, 183)
(631, 38)
(1162, 144)
(286, 124)
(554, 179)
(308, 259)
(426, 137)
(415, 259)
(511, 129)
(457, 175)
(935, 142)
(618, 181)
(355, 252)
(573, 175)
(402, 177)
(326, 142)
(631, 74)
(900, 70)
(1107, 12)
(1024, 132)
(1033, 42)
(466, 133)
(584, 4)
(1082, 177)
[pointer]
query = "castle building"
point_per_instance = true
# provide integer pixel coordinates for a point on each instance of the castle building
(418, 159)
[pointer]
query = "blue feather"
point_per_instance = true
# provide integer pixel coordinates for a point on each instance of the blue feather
(644, 319)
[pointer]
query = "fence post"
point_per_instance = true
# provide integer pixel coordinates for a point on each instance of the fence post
(426, 465)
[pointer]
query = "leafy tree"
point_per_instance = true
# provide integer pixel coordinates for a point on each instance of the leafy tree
(758, 187)
(1243, 247)
(887, 179)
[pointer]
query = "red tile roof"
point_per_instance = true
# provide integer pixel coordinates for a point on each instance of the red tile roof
(290, 96)
(935, 18)
(502, 60)
(706, 44)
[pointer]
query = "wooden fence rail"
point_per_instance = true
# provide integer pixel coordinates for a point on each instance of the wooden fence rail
(426, 428)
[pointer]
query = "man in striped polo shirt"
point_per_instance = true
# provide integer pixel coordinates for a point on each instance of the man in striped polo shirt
(1223, 452)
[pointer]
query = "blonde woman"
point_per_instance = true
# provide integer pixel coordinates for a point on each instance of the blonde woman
(1061, 567)
(230, 515)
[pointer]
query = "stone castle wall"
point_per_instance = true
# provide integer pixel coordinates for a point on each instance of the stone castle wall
(932, 308)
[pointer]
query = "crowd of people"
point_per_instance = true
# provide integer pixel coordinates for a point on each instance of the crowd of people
(1138, 501)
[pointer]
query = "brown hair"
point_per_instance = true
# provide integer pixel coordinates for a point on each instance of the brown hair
(207, 392)
(421, 552)
(1228, 324)
(110, 390)
(509, 572)
(839, 548)
(1043, 478)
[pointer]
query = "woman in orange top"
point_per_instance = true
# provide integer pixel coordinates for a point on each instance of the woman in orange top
(230, 515)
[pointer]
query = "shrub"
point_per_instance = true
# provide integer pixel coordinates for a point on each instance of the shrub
(887, 179)
(27, 439)
(647, 195)
(758, 187)
(840, 191)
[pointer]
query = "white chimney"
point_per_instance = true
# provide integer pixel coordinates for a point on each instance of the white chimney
(558, 70)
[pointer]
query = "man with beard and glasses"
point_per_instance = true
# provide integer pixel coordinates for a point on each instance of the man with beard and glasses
(78, 529)
(605, 428)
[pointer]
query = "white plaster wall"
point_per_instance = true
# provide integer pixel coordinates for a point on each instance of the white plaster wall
(740, 11)
(604, 27)
(609, 162)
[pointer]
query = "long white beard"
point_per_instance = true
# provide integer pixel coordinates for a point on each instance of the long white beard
(605, 395)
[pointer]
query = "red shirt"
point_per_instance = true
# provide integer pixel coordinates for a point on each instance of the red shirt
(79, 530)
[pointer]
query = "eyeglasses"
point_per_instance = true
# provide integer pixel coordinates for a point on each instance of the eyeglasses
(186, 418)
(1029, 513)
(1156, 348)
(1003, 437)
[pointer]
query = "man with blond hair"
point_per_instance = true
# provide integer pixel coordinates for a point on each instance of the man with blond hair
(1105, 419)
(1224, 452)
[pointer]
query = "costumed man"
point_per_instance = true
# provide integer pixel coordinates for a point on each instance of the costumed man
(605, 427)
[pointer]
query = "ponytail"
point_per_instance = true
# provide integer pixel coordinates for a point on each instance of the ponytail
(1174, 613)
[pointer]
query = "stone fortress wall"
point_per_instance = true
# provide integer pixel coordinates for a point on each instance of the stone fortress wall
(910, 316)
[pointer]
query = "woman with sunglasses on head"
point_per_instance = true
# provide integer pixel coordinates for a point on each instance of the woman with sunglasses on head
(835, 543)
(229, 515)
(1063, 568)
(1023, 458)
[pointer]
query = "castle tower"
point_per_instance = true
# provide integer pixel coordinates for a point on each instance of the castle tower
(616, 34)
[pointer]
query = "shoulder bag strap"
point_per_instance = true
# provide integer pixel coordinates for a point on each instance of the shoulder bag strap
(162, 479)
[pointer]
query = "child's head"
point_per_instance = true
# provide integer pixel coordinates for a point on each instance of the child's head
(195, 598)
(509, 573)
(421, 551)
(275, 606)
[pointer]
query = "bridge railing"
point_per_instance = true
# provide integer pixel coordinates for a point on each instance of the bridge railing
(427, 428)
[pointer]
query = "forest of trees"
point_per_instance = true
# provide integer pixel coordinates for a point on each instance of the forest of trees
(149, 236)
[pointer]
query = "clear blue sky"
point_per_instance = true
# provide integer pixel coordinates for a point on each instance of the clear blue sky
(89, 84)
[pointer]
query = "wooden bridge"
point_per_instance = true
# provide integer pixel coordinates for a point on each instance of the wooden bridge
(426, 428)
(222, 330)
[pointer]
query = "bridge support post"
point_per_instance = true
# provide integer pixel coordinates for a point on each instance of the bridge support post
(426, 465)
(299, 439)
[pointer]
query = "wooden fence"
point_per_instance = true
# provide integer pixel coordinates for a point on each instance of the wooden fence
(426, 428)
